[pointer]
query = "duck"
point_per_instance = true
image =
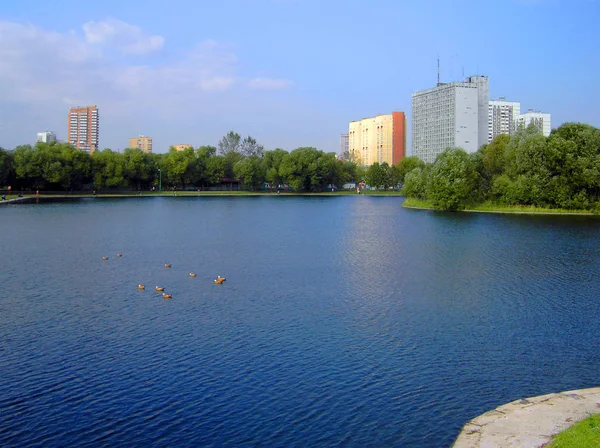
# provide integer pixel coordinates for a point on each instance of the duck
(105, 258)
(141, 287)
(219, 280)
(158, 288)
(192, 274)
(167, 265)
(167, 296)
(119, 255)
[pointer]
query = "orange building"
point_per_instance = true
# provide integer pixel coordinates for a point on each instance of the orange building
(181, 147)
(379, 139)
(399, 137)
(141, 142)
(83, 128)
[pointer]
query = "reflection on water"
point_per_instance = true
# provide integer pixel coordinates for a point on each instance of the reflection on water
(343, 320)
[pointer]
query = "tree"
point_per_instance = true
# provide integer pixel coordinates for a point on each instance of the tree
(375, 175)
(230, 143)
(303, 170)
(494, 155)
(271, 163)
(452, 180)
(416, 183)
(6, 166)
(108, 168)
(406, 165)
(249, 170)
(250, 148)
(527, 166)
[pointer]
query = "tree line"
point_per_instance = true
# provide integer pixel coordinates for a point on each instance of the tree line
(59, 166)
(558, 171)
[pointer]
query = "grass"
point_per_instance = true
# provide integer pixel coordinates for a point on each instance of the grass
(584, 434)
(491, 207)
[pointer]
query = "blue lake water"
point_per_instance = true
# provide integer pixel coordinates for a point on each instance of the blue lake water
(343, 320)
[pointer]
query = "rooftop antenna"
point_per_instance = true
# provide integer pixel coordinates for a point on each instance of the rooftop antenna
(438, 63)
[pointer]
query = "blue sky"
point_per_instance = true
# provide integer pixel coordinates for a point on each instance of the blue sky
(288, 72)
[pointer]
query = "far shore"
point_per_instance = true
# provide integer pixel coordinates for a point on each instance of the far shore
(422, 204)
(133, 194)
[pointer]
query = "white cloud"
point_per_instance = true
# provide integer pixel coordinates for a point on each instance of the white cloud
(269, 84)
(43, 72)
(129, 39)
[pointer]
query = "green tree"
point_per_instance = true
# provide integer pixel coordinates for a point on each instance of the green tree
(416, 183)
(406, 165)
(6, 166)
(375, 175)
(203, 155)
(527, 166)
(271, 163)
(452, 180)
(138, 168)
(108, 169)
(249, 170)
(494, 155)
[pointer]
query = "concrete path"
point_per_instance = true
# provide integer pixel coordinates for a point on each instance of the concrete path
(530, 422)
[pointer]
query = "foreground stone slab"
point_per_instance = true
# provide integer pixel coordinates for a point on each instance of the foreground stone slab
(529, 422)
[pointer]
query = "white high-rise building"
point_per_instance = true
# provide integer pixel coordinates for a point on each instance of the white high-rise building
(450, 115)
(343, 143)
(46, 137)
(539, 119)
(501, 117)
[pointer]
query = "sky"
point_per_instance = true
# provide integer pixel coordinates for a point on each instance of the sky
(289, 73)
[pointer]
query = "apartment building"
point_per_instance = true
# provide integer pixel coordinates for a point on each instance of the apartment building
(501, 117)
(46, 137)
(83, 128)
(539, 119)
(181, 147)
(378, 139)
(450, 115)
(141, 142)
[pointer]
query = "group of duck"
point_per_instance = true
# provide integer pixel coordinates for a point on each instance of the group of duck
(219, 280)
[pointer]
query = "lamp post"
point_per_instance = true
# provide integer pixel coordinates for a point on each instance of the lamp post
(159, 180)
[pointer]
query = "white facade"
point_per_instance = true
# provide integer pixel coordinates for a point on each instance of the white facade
(501, 117)
(541, 121)
(447, 116)
(46, 137)
(343, 144)
(483, 99)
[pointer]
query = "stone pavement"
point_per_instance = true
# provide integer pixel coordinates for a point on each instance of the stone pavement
(530, 422)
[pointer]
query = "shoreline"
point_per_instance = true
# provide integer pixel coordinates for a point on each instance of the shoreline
(507, 210)
(529, 422)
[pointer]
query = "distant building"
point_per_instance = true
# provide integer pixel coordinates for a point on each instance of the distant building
(379, 139)
(501, 117)
(46, 137)
(343, 144)
(141, 142)
(83, 128)
(450, 115)
(539, 119)
(181, 147)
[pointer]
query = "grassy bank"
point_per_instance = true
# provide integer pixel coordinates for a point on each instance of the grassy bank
(582, 434)
(491, 207)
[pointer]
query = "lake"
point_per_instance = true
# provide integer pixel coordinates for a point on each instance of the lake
(343, 320)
